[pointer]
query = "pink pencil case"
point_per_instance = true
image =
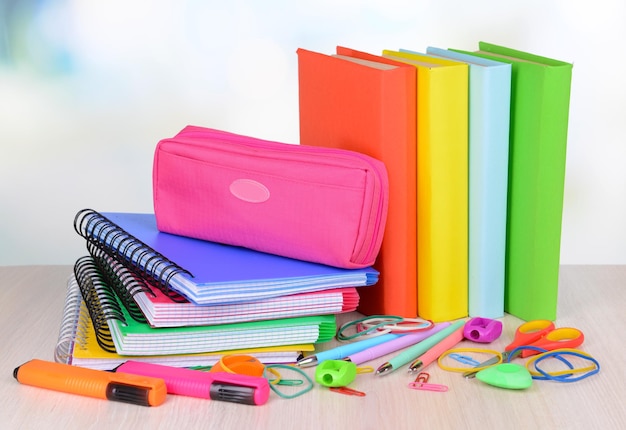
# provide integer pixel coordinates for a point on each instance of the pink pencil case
(317, 204)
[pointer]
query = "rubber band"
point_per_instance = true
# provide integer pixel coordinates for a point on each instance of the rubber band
(377, 325)
(406, 325)
(308, 387)
(370, 331)
(562, 375)
(441, 358)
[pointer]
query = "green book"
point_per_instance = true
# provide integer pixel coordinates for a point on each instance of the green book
(540, 96)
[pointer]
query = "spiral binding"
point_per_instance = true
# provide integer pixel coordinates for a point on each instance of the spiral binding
(138, 257)
(70, 324)
(100, 300)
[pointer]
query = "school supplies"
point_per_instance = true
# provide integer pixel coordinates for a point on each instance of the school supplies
(506, 375)
(366, 103)
(482, 330)
(322, 205)
(489, 125)
(224, 386)
(120, 387)
(172, 310)
(119, 330)
(540, 98)
(435, 352)
(418, 349)
(335, 373)
(536, 336)
(208, 272)
(442, 184)
(393, 345)
(77, 343)
(345, 350)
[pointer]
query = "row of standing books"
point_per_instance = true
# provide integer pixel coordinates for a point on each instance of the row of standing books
(475, 144)
(185, 302)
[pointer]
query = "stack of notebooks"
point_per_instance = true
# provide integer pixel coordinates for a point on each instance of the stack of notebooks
(474, 143)
(163, 298)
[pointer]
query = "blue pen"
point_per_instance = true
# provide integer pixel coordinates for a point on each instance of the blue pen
(346, 350)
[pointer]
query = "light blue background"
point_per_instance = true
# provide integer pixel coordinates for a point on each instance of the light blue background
(88, 88)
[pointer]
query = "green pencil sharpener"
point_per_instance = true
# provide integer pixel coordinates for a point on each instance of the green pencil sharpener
(335, 373)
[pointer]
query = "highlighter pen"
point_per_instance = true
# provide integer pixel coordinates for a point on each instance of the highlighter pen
(228, 387)
(395, 344)
(435, 352)
(346, 350)
(120, 387)
(418, 349)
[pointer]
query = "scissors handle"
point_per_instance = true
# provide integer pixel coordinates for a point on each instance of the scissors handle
(565, 337)
(530, 332)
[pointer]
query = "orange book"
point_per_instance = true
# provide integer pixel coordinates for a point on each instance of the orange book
(367, 103)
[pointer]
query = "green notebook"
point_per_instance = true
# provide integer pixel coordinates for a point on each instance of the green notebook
(115, 326)
(540, 96)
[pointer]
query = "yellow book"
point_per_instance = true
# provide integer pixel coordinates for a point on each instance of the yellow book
(442, 185)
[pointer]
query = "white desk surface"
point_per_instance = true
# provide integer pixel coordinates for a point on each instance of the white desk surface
(591, 298)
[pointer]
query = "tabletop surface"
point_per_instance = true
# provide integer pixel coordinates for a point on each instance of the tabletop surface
(591, 298)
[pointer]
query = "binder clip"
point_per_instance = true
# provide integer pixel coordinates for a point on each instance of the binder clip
(482, 330)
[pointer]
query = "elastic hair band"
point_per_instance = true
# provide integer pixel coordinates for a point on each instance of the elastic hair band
(378, 325)
(563, 375)
(273, 386)
(371, 331)
(441, 358)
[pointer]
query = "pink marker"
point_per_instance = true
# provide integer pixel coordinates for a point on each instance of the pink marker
(228, 387)
(393, 345)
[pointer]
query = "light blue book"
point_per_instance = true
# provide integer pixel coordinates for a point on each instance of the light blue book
(489, 122)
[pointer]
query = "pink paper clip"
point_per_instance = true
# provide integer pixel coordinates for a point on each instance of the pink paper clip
(347, 391)
(428, 387)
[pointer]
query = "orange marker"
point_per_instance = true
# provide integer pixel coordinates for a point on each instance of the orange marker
(120, 387)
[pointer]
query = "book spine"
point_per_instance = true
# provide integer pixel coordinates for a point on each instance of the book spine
(69, 323)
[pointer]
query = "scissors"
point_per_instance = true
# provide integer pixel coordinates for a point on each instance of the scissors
(539, 334)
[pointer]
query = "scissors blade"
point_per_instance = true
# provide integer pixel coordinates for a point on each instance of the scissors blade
(493, 360)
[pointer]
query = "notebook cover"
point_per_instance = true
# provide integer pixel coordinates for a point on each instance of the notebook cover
(161, 311)
(540, 98)
(489, 118)
(347, 104)
(230, 274)
(442, 185)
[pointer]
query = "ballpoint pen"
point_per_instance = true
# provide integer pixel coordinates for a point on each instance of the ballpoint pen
(434, 353)
(346, 350)
(394, 344)
(418, 349)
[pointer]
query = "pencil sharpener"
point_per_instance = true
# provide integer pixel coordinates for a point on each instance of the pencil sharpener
(335, 373)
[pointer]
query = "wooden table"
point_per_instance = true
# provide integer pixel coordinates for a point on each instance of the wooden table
(591, 298)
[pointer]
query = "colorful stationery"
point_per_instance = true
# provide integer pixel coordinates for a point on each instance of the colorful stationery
(489, 119)
(168, 310)
(442, 185)
(366, 103)
(78, 345)
(540, 95)
(208, 273)
(119, 330)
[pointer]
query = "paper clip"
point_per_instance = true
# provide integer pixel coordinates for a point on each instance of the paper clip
(347, 391)
(464, 359)
(420, 384)
(428, 387)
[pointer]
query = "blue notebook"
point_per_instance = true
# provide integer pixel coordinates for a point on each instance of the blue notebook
(489, 121)
(209, 273)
